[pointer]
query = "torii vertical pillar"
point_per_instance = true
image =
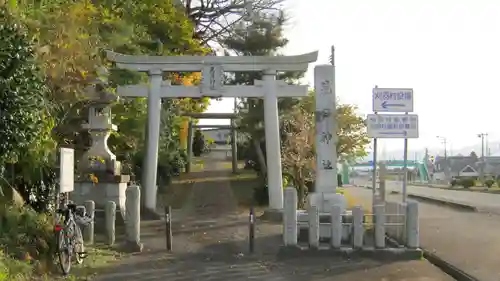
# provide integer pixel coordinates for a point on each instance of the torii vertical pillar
(189, 147)
(153, 138)
(234, 147)
(273, 149)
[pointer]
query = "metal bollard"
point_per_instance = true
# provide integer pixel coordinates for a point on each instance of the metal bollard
(88, 232)
(251, 230)
(168, 227)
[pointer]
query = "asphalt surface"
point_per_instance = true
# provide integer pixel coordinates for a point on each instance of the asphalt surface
(468, 240)
(486, 201)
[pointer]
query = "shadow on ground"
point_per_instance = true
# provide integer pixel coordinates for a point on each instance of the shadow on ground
(226, 261)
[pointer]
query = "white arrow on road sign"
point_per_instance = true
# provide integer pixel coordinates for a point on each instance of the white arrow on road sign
(392, 125)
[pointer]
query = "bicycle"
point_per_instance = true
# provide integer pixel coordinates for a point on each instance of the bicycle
(69, 238)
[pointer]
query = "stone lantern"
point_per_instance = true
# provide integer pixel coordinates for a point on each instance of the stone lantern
(98, 160)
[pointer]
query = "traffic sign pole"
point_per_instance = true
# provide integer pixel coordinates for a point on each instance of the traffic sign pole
(405, 169)
(374, 176)
(392, 100)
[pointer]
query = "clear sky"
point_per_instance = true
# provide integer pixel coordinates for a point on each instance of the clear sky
(448, 51)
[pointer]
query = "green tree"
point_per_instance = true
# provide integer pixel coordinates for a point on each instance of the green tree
(198, 143)
(24, 124)
(262, 38)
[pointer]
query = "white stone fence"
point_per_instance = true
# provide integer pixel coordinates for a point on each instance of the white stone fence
(346, 229)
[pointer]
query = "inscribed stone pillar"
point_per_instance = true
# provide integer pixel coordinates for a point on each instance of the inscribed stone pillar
(273, 150)
(153, 138)
(326, 129)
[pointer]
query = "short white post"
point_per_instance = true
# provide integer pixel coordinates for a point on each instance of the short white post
(133, 218)
(357, 227)
(336, 226)
(412, 228)
(272, 129)
(379, 217)
(313, 216)
(290, 217)
(88, 231)
(110, 222)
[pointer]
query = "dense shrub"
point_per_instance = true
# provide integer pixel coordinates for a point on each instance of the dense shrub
(454, 182)
(26, 234)
(261, 195)
(489, 183)
(467, 182)
(198, 143)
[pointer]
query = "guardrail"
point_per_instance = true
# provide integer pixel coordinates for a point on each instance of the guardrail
(347, 229)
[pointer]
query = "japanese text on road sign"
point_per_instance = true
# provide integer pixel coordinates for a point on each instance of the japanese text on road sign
(392, 100)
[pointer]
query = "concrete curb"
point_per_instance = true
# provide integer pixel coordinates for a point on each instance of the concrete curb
(438, 262)
(439, 201)
(386, 254)
(448, 268)
(447, 203)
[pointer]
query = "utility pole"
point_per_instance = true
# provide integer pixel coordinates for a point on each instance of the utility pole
(446, 167)
(483, 136)
(444, 141)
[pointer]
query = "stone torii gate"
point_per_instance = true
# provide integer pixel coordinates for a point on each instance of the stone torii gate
(231, 127)
(213, 68)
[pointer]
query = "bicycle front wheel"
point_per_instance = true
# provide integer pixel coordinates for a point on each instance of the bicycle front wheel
(64, 252)
(79, 249)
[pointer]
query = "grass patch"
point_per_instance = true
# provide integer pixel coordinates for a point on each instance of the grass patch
(97, 261)
(243, 189)
(176, 193)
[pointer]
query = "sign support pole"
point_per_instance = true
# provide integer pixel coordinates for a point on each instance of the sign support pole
(374, 176)
(405, 169)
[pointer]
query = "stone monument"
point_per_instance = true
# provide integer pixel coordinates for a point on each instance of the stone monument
(99, 161)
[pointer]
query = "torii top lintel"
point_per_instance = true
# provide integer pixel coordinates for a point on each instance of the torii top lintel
(228, 63)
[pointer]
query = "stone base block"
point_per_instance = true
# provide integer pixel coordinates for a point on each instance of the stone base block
(301, 251)
(132, 247)
(150, 215)
(101, 193)
(324, 227)
(272, 215)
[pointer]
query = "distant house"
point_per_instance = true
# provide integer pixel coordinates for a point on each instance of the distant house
(455, 166)
(465, 166)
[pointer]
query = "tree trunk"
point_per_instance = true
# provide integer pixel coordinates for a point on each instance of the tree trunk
(260, 156)
(301, 188)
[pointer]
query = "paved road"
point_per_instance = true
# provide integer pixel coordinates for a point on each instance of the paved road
(468, 240)
(486, 201)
